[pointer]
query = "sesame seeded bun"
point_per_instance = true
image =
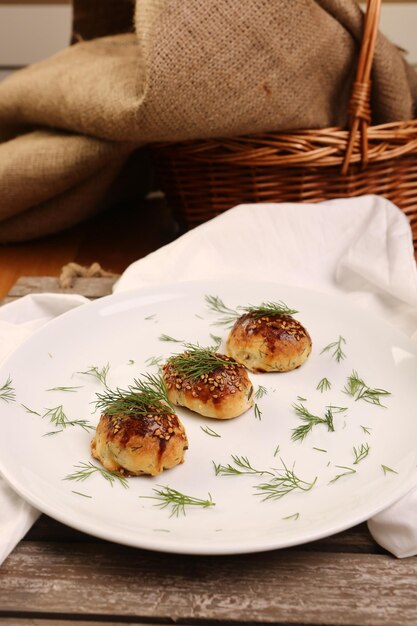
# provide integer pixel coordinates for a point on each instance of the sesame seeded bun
(224, 393)
(132, 445)
(276, 343)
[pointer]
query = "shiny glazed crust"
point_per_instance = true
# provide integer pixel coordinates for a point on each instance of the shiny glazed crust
(276, 343)
(132, 445)
(223, 394)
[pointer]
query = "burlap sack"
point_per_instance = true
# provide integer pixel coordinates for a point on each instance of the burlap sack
(191, 69)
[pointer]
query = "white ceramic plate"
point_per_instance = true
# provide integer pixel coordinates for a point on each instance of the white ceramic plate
(124, 331)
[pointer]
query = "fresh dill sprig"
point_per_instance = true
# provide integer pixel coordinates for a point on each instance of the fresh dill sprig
(257, 411)
(336, 346)
(242, 466)
(7, 393)
(209, 431)
(197, 361)
(57, 417)
(349, 470)
(178, 501)
(276, 451)
(229, 316)
(269, 309)
(319, 449)
(100, 373)
(366, 429)
(168, 338)
(310, 420)
(284, 483)
(359, 390)
(85, 470)
(360, 453)
(387, 469)
(260, 392)
(324, 385)
(137, 399)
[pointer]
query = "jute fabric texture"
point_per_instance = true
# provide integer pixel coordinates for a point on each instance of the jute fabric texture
(190, 69)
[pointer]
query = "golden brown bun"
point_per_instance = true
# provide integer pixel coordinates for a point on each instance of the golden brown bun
(224, 393)
(276, 343)
(140, 444)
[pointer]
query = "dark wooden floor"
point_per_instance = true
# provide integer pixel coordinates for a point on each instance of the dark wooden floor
(114, 239)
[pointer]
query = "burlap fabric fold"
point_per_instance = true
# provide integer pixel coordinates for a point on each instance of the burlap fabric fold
(190, 69)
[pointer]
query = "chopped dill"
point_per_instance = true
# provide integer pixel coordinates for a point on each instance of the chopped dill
(85, 470)
(209, 431)
(7, 393)
(360, 453)
(154, 361)
(366, 429)
(283, 483)
(177, 500)
(324, 385)
(294, 516)
(100, 373)
(387, 469)
(69, 389)
(168, 338)
(357, 388)
(137, 399)
(336, 346)
(197, 361)
(319, 449)
(84, 495)
(131, 362)
(28, 410)
(242, 466)
(349, 470)
(309, 421)
(257, 411)
(261, 392)
(57, 417)
(276, 450)
(217, 342)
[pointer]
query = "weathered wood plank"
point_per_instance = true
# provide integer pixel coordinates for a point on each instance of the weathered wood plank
(27, 621)
(280, 587)
(88, 287)
(356, 539)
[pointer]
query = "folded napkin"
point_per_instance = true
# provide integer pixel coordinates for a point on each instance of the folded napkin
(361, 247)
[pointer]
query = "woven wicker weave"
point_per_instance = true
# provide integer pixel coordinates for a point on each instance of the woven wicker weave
(203, 178)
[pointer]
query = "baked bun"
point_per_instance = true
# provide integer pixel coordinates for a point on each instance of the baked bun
(223, 391)
(270, 343)
(140, 444)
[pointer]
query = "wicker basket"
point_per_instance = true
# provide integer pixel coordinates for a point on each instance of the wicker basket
(203, 178)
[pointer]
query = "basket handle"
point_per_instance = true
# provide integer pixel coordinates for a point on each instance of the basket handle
(359, 108)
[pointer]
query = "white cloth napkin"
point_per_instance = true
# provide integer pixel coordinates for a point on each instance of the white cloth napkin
(18, 321)
(360, 247)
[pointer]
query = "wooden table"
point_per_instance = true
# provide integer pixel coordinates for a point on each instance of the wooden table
(58, 576)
